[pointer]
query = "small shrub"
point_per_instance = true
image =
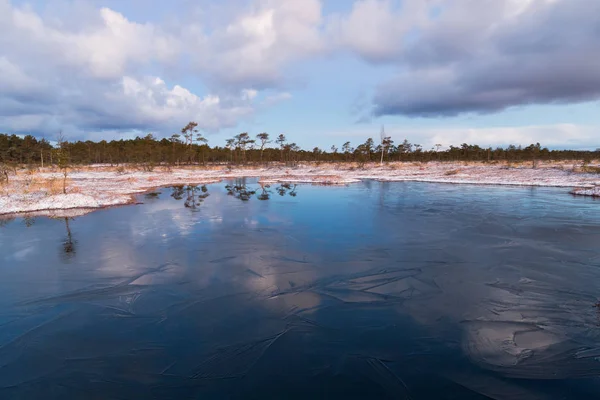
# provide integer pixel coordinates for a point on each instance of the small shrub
(54, 186)
(120, 170)
(590, 169)
(51, 186)
(452, 172)
(147, 167)
(5, 171)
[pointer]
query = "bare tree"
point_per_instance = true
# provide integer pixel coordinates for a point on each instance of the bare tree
(386, 143)
(5, 170)
(62, 159)
(42, 152)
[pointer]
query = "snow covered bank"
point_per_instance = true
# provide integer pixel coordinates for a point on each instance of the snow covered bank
(102, 186)
(594, 192)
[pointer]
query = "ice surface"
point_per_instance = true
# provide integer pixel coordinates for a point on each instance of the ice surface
(375, 290)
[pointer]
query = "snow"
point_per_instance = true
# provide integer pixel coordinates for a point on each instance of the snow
(102, 186)
(594, 192)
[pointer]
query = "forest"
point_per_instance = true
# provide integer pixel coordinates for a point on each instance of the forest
(190, 147)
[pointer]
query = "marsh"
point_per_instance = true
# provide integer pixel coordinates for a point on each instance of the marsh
(242, 290)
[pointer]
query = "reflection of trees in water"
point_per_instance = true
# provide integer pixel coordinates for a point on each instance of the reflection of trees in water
(194, 195)
(5, 221)
(29, 221)
(240, 190)
(152, 195)
(286, 188)
(265, 193)
(69, 242)
(178, 192)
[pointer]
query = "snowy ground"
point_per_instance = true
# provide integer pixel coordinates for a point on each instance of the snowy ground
(102, 186)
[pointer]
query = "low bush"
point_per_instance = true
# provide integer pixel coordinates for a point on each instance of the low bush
(590, 169)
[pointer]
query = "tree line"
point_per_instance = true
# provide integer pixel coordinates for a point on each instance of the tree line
(191, 147)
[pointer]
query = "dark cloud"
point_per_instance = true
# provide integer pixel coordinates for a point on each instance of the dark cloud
(548, 53)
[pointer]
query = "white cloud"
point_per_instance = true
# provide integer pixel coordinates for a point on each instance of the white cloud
(131, 104)
(105, 47)
(90, 78)
(157, 104)
(569, 135)
(553, 136)
(251, 47)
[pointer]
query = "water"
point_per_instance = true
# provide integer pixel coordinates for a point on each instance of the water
(376, 290)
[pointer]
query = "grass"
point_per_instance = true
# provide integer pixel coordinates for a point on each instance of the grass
(31, 181)
(590, 169)
(50, 186)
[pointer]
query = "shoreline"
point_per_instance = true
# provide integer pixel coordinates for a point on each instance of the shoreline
(90, 188)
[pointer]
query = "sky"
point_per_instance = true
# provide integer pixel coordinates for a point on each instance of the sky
(322, 72)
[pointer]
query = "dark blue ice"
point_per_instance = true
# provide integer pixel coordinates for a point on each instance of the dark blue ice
(375, 290)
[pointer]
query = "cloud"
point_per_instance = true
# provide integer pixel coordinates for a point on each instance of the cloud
(552, 136)
(251, 46)
(467, 56)
(105, 46)
(94, 77)
(377, 30)
(129, 104)
(87, 69)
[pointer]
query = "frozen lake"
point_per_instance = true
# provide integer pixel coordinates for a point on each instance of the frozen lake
(374, 290)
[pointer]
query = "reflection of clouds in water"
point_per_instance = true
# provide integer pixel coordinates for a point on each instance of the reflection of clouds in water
(515, 328)
(251, 222)
(174, 219)
(260, 288)
(20, 250)
(179, 229)
(21, 254)
(163, 275)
